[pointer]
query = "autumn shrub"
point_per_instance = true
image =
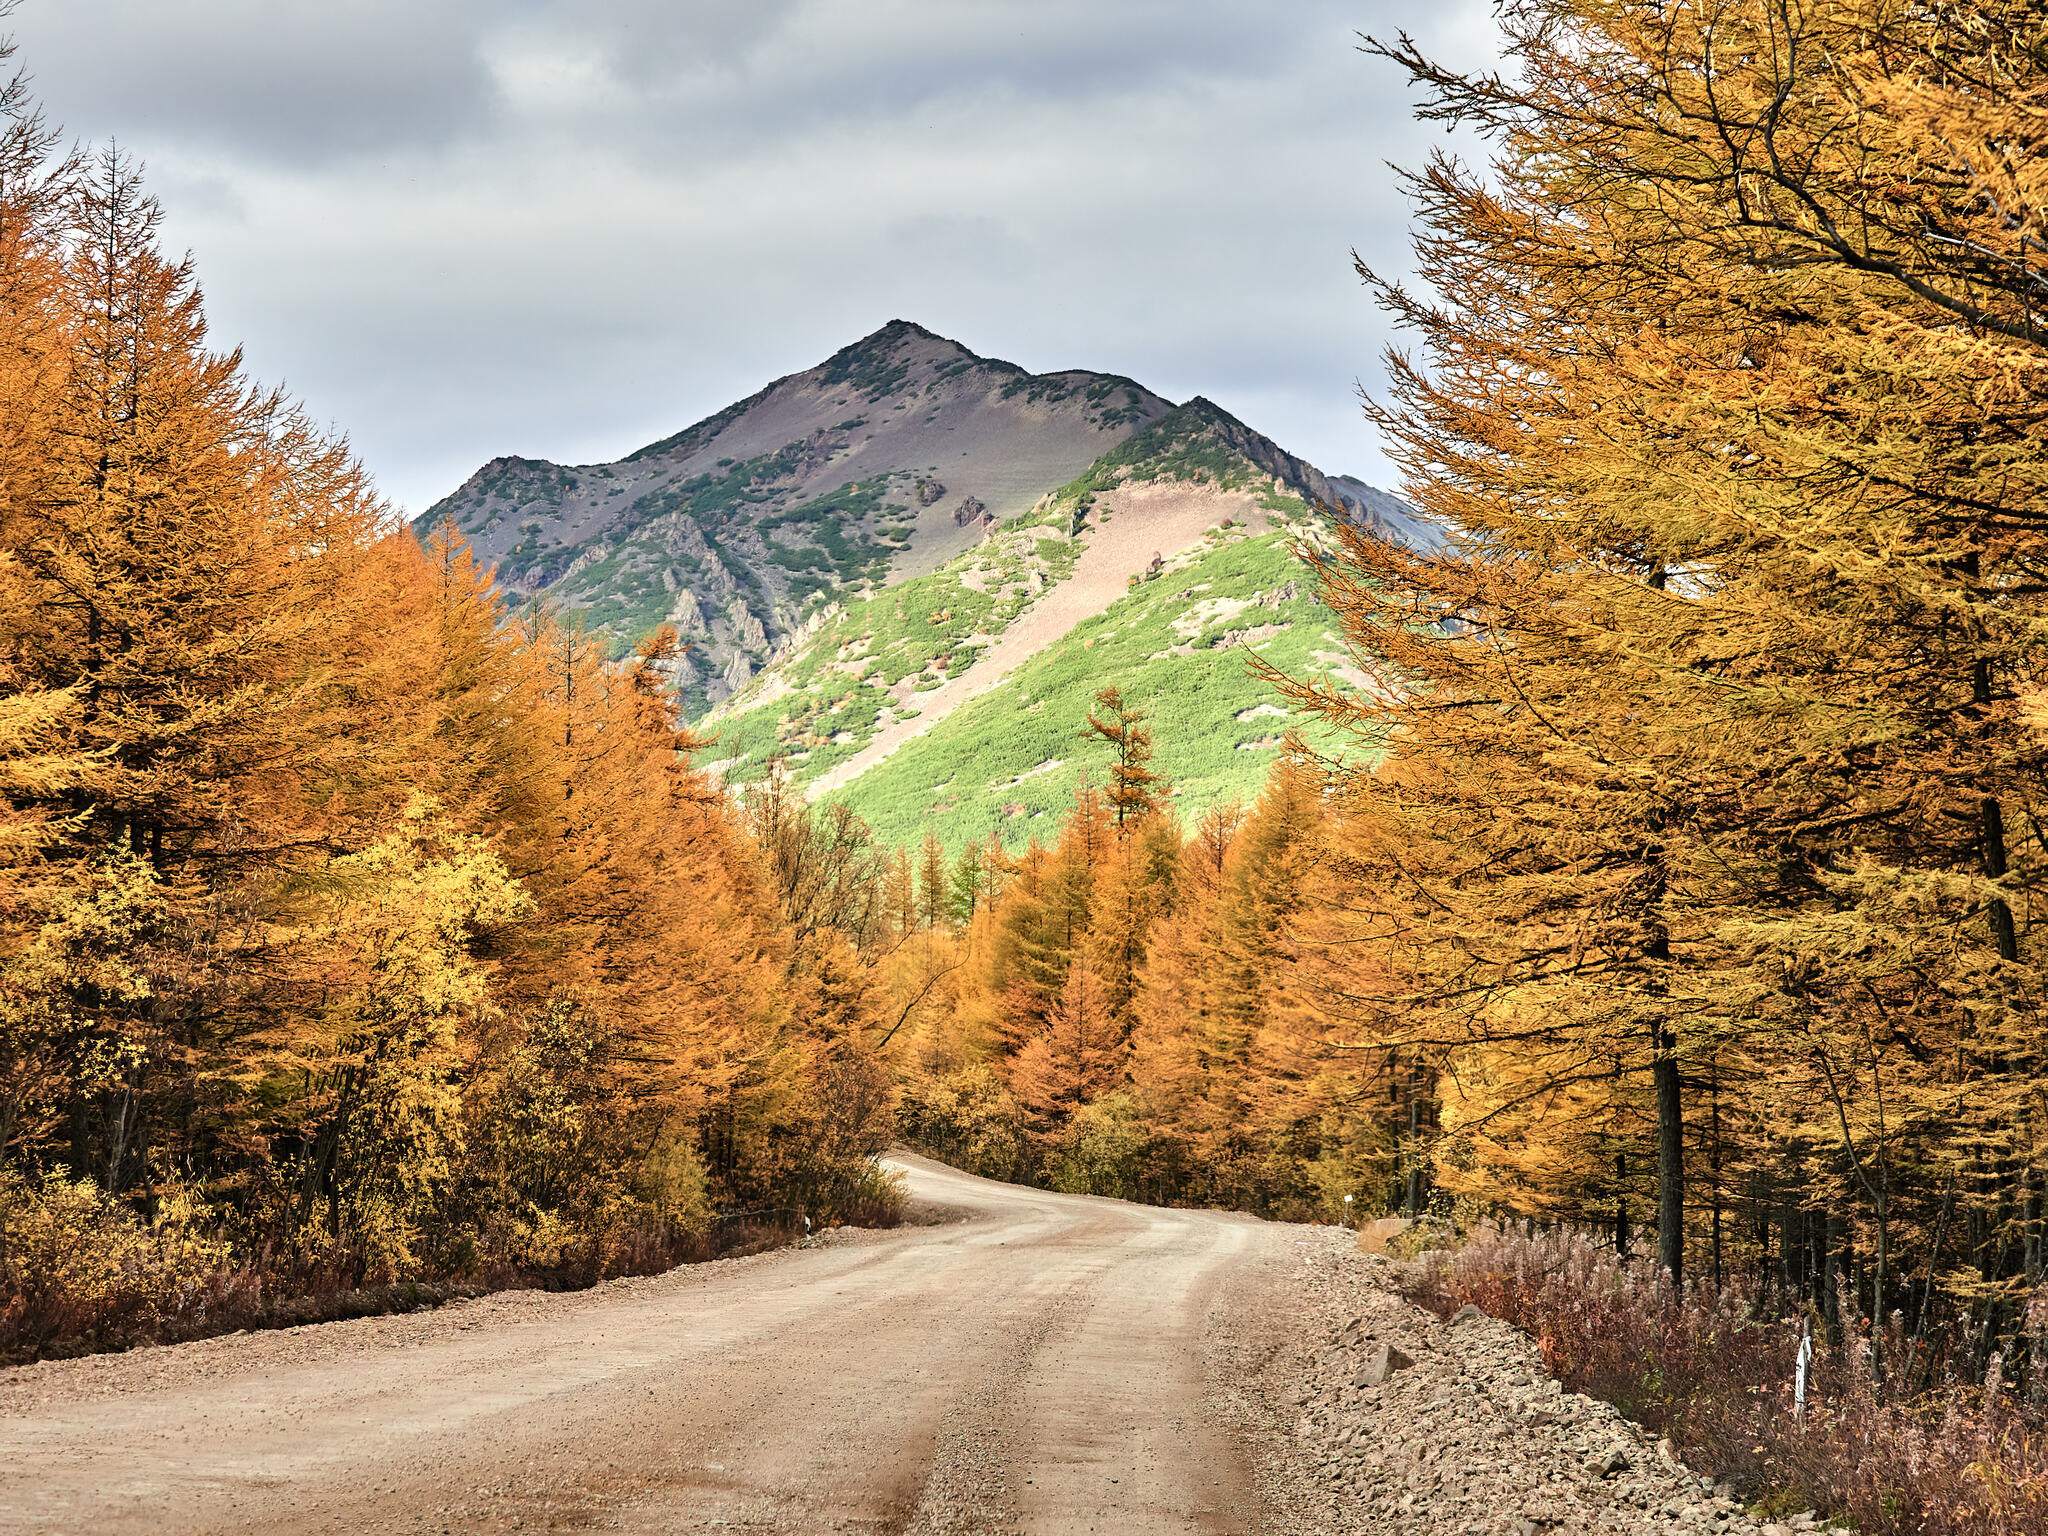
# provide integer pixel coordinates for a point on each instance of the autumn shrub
(671, 1186)
(548, 1182)
(1893, 1440)
(1427, 1235)
(1103, 1149)
(75, 1264)
(866, 1195)
(823, 1149)
(967, 1119)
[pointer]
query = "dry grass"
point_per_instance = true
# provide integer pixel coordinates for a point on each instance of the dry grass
(81, 1273)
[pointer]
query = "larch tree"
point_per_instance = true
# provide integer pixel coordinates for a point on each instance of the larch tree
(1135, 790)
(1701, 738)
(373, 927)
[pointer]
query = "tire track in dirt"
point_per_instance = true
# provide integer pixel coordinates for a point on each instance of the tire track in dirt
(1036, 1369)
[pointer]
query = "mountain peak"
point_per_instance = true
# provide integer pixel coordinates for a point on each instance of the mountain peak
(947, 703)
(897, 329)
(889, 337)
(1201, 407)
(879, 464)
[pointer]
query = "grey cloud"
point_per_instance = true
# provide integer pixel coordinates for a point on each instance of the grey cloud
(614, 218)
(259, 79)
(909, 68)
(310, 82)
(882, 56)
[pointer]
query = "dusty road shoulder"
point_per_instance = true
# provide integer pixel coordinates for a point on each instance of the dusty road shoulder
(1404, 1424)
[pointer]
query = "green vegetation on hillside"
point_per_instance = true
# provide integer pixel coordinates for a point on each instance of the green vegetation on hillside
(871, 369)
(840, 522)
(1181, 445)
(826, 543)
(1006, 764)
(832, 695)
(716, 500)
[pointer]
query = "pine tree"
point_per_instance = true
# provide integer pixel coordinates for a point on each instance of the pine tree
(969, 884)
(934, 887)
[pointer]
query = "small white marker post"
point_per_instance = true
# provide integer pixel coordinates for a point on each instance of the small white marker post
(1347, 1210)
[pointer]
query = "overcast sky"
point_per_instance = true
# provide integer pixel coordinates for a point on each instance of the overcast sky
(564, 228)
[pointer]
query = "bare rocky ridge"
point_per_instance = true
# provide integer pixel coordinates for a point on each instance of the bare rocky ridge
(852, 471)
(894, 456)
(1383, 514)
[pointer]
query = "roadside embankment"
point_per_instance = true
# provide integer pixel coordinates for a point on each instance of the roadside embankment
(1403, 1423)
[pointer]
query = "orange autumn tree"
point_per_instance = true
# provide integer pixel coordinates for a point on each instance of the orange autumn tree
(1130, 1014)
(1702, 753)
(352, 928)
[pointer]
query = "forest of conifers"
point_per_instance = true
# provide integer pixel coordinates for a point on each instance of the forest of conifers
(359, 928)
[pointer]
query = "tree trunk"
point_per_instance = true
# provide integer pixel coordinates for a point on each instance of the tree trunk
(1791, 1249)
(1414, 1206)
(2037, 1335)
(1621, 1204)
(1670, 1162)
(1714, 1112)
(1831, 1304)
(1760, 1212)
(1664, 1060)
(79, 1126)
(1992, 818)
(1884, 1254)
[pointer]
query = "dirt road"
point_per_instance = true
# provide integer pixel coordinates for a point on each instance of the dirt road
(1049, 1365)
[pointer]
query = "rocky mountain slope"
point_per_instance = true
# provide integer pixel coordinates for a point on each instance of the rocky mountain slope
(883, 462)
(953, 702)
(905, 572)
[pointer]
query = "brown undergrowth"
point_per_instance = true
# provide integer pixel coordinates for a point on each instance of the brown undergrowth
(1894, 1439)
(81, 1273)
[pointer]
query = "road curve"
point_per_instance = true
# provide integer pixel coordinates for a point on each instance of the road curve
(1039, 1367)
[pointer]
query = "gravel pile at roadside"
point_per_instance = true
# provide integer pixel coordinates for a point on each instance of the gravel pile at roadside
(1407, 1424)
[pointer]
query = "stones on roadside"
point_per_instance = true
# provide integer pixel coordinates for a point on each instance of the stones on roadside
(1608, 1463)
(1380, 1364)
(1467, 1313)
(1468, 1433)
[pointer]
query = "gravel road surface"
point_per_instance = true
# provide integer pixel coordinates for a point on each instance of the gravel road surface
(1049, 1363)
